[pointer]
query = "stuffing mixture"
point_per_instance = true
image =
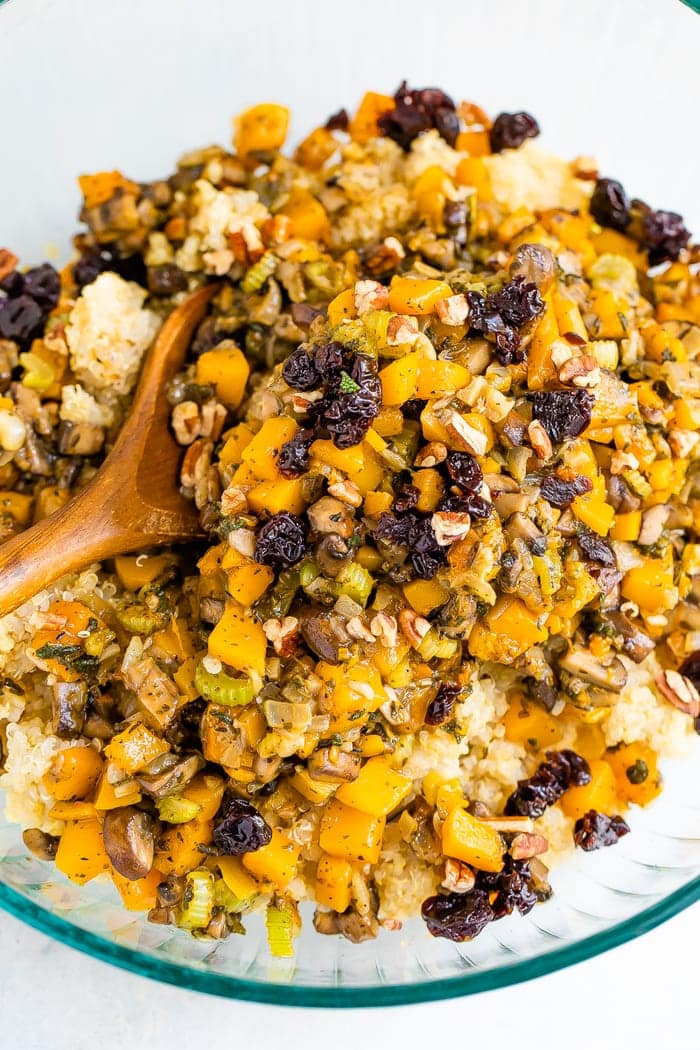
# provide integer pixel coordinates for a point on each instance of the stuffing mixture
(442, 427)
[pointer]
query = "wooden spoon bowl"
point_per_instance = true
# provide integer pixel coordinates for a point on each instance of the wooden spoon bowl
(134, 500)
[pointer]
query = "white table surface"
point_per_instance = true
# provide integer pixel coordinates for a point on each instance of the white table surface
(640, 996)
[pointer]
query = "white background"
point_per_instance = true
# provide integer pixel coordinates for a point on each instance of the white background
(99, 83)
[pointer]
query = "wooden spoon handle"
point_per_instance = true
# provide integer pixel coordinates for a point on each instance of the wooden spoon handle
(63, 543)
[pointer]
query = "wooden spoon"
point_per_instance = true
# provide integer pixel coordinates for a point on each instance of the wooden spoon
(133, 501)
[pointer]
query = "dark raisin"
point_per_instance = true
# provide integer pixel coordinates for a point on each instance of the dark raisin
(281, 542)
(95, 261)
(347, 414)
(406, 499)
(412, 408)
(597, 549)
(595, 830)
(21, 319)
(467, 503)
(338, 121)
(441, 706)
(513, 888)
(293, 458)
(43, 284)
(691, 668)
(518, 302)
(426, 554)
(510, 130)
(329, 359)
(561, 493)
(392, 529)
(562, 413)
(418, 110)
(663, 235)
(304, 313)
(637, 773)
(299, 371)
(609, 204)
(562, 770)
(241, 829)
(13, 284)
(464, 470)
(166, 279)
(457, 916)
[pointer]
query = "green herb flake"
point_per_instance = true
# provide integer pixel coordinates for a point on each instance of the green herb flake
(348, 384)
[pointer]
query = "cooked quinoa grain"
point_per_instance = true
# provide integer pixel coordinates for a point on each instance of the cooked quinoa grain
(441, 427)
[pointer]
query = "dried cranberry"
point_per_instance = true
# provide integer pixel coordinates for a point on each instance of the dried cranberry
(43, 284)
(609, 204)
(281, 541)
(13, 284)
(518, 302)
(338, 121)
(412, 408)
(299, 371)
(457, 916)
(510, 130)
(562, 413)
(95, 261)
(562, 770)
(597, 549)
(663, 235)
(351, 402)
(21, 319)
(513, 888)
(395, 530)
(166, 279)
(561, 493)
(241, 829)
(414, 532)
(467, 503)
(691, 668)
(595, 830)
(441, 706)
(406, 499)
(293, 457)
(464, 470)
(417, 110)
(330, 359)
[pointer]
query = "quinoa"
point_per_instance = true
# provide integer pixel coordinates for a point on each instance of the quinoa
(440, 424)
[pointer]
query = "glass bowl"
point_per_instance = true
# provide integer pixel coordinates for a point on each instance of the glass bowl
(94, 85)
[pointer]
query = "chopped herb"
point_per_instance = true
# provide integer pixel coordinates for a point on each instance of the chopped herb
(348, 384)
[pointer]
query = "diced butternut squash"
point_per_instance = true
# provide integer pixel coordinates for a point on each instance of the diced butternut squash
(377, 503)
(354, 687)
(261, 128)
(106, 797)
(99, 188)
(650, 586)
(342, 308)
(416, 295)
(246, 583)
(307, 216)
(184, 679)
(470, 840)
(275, 496)
(334, 883)
(73, 811)
(317, 791)
(540, 367)
(174, 640)
(627, 527)
(207, 790)
(529, 724)
(400, 379)
(276, 862)
(138, 894)
(600, 794)
(471, 171)
(507, 631)
(135, 747)
(241, 884)
(73, 773)
(81, 853)
(18, 505)
(594, 512)
(438, 378)
(260, 455)
(425, 595)
(236, 440)
(377, 790)
(350, 834)
(239, 641)
(350, 460)
(178, 848)
(65, 625)
(636, 771)
(363, 125)
(227, 370)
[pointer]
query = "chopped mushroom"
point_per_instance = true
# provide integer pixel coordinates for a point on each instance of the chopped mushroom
(129, 841)
(635, 643)
(68, 707)
(583, 664)
(334, 765)
(43, 846)
(173, 777)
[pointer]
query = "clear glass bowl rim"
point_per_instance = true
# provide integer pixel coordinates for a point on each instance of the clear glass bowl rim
(470, 983)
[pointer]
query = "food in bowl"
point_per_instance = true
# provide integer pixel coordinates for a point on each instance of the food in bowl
(441, 424)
